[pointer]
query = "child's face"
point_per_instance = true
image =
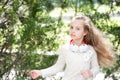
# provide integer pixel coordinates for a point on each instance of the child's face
(77, 31)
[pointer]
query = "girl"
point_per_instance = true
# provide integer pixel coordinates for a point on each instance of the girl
(80, 59)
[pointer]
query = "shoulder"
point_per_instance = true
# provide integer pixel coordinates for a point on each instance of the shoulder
(91, 48)
(65, 47)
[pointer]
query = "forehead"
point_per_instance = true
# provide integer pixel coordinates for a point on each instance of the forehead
(77, 23)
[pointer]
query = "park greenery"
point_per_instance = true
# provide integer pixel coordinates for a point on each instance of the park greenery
(30, 30)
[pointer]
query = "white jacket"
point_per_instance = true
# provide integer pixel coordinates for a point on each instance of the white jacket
(72, 62)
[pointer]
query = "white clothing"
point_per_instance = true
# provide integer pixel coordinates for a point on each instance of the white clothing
(72, 63)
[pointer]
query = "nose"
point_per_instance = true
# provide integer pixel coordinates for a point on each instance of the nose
(73, 30)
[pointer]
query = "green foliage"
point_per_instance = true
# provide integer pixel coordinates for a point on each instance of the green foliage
(33, 61)
(113, 69)
(26, 28)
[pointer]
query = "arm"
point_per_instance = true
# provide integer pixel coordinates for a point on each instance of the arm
(94, 63)
(57, 67)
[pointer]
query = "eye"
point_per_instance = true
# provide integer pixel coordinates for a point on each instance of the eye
(71, 27)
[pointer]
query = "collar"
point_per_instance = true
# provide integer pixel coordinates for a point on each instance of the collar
(72, 41)
(78, 49)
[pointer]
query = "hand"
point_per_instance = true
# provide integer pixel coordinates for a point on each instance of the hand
(35, 73)
(87, 73)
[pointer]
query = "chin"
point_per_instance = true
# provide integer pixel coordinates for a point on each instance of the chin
(73, 38)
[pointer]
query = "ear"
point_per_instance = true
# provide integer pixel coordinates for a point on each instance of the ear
(85, 33)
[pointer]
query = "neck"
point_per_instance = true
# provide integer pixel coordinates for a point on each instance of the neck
(78, 42)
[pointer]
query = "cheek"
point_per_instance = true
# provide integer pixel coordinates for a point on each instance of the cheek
(80, 34)
(70, 32)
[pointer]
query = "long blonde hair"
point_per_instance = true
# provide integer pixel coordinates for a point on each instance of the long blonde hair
(95, 38)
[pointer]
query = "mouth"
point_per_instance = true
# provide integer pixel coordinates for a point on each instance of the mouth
(72, 35)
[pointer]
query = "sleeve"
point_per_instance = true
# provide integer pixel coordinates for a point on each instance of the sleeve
(94, 63)
(57, 67)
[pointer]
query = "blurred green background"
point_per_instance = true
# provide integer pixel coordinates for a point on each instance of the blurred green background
(31, 32)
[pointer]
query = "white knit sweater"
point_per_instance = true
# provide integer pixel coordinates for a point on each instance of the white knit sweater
(72, 62)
